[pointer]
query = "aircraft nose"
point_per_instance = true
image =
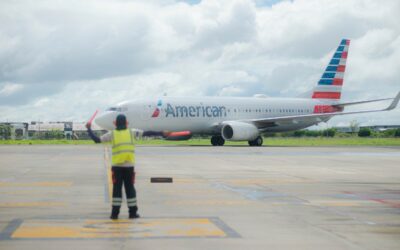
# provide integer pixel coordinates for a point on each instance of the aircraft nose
(105, 120)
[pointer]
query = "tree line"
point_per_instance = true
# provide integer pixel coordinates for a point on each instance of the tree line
(332, 132)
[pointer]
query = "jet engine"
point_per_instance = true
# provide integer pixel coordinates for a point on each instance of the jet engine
(239, 131)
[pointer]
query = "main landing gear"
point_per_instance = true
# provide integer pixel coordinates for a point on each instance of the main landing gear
(256, 142)
(217, 140)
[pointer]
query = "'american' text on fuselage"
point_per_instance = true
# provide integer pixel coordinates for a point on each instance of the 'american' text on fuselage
(195, 111)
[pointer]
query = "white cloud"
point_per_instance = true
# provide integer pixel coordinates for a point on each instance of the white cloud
(230, 91)
(9, 89)
(41, 102)
(77, 56)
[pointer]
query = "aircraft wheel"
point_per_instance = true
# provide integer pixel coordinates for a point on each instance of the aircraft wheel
(221, 141)
(259, 141)
(256, 142)
(214, 140)
(217, 140)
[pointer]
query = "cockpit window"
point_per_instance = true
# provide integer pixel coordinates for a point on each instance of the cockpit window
(118, 109)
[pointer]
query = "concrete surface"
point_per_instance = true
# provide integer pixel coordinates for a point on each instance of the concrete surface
(57, 197)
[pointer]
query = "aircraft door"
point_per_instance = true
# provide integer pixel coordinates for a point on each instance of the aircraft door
(147, 112)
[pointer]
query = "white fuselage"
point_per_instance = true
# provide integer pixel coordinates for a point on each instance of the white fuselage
(203, 114)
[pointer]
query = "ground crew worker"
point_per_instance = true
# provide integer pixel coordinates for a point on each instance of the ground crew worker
(123, 163)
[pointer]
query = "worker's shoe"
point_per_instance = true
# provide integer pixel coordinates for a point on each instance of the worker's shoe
(114, 213)
(133, 212)
(134, 216)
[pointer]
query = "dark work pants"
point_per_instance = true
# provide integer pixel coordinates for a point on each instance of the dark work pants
(126, 176)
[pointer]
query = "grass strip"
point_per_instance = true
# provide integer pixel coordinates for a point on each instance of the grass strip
(268, 141)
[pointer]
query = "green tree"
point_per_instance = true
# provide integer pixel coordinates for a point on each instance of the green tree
(387, 133)
(313, 133)
(299, 133)
(397, 133)
(55, 134)
(270, 134)
(330, 132)
(364, 132)
(5, 131)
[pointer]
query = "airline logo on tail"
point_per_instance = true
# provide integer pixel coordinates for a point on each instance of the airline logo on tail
(330, 84)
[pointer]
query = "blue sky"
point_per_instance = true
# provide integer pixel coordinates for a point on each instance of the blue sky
(62, 60)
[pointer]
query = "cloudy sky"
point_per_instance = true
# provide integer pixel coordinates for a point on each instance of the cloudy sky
(61, 60)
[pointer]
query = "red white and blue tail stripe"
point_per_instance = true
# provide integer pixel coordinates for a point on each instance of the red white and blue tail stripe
(331, 82)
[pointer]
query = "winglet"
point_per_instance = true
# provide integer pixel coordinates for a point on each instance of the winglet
(394, 102)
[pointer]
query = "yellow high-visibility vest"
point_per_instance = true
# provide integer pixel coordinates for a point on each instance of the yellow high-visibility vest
(123, 149)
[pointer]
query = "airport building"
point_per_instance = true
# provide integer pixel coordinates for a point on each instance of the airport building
(46, 130)
(379, 128)
(13, 130)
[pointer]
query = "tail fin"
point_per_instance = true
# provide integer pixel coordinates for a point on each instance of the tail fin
(330, 85)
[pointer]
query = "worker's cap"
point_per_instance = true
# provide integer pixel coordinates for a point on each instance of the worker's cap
(120, 120)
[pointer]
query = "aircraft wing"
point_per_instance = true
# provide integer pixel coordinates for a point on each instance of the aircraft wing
(320, 117)
(360, 102)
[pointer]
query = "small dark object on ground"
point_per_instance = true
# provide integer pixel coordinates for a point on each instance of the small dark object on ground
(161, 179)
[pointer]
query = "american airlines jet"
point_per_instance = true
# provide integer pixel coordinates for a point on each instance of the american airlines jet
(241, 118)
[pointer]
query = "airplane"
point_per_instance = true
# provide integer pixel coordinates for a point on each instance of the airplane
(241, 118)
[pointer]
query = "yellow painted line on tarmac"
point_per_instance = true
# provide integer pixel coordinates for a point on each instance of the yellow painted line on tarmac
(30, 193)
(189, 180)
(110, 183)
(142, 228)
(31, 204)
(109, 173)
(264, 181)
(210, 202)
(20, 192)
(395, 231)
(181, 191)
(339, 203)
(37, 184)
(195, 232)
